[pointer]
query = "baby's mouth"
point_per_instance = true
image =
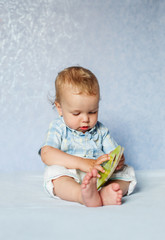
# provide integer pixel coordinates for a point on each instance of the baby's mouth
(84, 128)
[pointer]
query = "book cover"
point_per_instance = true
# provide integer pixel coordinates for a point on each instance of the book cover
(110, 166)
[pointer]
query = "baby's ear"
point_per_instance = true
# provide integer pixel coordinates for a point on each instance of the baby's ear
(59, 109)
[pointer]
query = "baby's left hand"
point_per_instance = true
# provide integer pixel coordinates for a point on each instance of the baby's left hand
(121, 163)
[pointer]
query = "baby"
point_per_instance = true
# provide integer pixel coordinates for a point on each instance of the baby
(77, 144)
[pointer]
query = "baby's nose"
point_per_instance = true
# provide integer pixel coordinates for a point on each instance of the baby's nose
(85, 118)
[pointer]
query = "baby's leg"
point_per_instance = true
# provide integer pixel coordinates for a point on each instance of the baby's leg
(113, 192)
(67, 189)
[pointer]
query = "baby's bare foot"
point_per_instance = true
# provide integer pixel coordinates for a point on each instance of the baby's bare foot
(90, 195)
(111, 194)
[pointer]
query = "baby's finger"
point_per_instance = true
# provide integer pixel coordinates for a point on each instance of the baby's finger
(100, 168)
(102, 159)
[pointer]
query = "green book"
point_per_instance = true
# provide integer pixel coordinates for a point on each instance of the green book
(110, 166)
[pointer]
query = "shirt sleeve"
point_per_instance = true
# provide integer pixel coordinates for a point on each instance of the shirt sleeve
(53, 136)
(108, 143)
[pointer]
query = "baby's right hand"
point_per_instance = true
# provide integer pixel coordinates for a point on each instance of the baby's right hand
(89, 164)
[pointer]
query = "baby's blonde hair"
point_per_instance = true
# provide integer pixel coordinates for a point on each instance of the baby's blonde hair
(81, 79)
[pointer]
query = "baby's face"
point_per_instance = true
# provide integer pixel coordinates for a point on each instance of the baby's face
(80, 111)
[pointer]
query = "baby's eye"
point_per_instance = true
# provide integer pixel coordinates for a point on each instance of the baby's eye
(93, 112)
(75, 114)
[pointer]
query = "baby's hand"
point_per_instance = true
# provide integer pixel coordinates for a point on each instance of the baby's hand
(121, 163)
(89, 164)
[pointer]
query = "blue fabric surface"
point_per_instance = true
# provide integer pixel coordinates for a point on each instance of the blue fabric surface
(26, 212)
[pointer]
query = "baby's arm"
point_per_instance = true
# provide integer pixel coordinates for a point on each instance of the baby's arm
(54, 156)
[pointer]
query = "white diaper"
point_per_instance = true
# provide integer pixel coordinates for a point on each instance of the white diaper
(56, 171)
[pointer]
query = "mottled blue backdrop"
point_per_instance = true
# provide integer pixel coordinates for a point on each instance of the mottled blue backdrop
(122, 42)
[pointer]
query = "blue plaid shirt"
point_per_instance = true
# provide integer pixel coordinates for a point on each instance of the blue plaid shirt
(90, 144)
